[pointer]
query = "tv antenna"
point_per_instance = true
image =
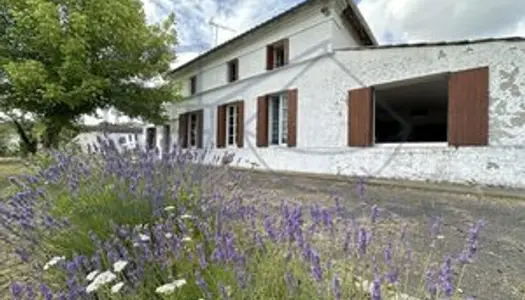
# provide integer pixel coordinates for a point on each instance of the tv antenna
(216, 27)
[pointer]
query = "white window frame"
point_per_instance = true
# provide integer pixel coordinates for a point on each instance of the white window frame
(231, 115)
(282, 119)
(195, 131)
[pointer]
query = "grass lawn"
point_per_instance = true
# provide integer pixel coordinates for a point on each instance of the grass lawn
(9, 168)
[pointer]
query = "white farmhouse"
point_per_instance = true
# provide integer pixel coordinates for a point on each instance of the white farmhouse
(311, 91)
(124, 136)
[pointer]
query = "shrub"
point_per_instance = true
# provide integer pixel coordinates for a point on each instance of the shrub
(140, 227)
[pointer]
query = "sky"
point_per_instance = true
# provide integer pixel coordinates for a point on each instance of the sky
(391, 21)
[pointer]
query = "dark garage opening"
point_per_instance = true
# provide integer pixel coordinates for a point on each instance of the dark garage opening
(151, 138)
(412, 111)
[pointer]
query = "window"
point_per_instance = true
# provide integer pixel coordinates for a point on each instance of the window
(233, 70)
(193, 85)
(278, 119)
(230, 124)
(167, 138)
(277, 54)
(279, 57)
(122, 140)
(191, 129)
(151, 138)
(412, 111)
(445, 108)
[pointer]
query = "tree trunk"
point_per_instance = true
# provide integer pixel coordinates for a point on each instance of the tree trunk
(29, 142)
(50, 139)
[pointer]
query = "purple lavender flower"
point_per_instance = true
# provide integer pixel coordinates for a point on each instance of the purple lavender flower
(376, 289)
(45, 291)
(317, 270)
(202, 257)
(362, 241)
(445, 277)
(17, 290)
(337, 287)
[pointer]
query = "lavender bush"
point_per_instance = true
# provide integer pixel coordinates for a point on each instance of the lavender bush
(133, 226)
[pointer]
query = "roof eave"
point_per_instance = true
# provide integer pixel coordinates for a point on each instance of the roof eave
(358, 24)
(351, 13)
(239, 37)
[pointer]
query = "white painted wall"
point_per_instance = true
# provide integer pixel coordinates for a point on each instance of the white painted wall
(323, 85)
(323, 78)
(311, 36)
(309, 32)
(91, 138)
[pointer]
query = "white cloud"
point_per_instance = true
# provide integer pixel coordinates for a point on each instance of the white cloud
(430, 20)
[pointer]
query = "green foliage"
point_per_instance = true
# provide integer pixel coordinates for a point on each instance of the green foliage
(6, 134)
(65, 58)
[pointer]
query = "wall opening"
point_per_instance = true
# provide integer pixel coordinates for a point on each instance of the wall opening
(151, 138)
(412, 111)
(167, 138)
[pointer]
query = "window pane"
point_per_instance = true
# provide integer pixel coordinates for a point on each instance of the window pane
(231, 119)
(193, 130)
(274, 129)
(284, 122)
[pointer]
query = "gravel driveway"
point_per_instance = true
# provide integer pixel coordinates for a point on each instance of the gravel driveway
(499, 271)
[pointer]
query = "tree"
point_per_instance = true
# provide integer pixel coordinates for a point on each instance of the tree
(61, 59)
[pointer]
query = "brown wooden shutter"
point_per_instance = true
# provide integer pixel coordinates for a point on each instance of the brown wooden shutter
(269, 57)
(292, 118)
(286, 47)
(183, 130)
(240, 124)
(468, 107)
(360, 117)
(221, 126)
(200, 128)
(262, 121)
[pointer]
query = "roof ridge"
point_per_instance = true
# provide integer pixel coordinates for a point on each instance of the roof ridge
(438, 43)
(350, 6)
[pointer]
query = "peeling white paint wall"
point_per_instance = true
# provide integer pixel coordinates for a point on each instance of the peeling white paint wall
(323, 85)
(323, 79)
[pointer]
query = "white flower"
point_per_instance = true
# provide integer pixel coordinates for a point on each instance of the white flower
(168, 235)
(92, 275)
(141, 226)
(55, 260)
(119, 265)
(102, 279)
(186, 239)
(228, 290)
(116, 288)
(185, 216)
(169, 208)
(170, 287)
(144, 237)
